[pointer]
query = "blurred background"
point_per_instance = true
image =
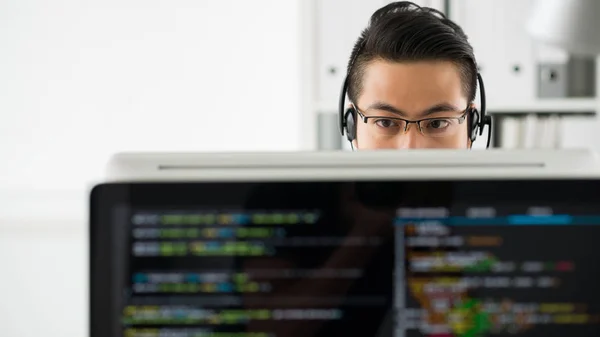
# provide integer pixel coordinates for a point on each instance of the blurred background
(82, 79)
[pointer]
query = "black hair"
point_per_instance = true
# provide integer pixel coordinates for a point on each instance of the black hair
(405, 32)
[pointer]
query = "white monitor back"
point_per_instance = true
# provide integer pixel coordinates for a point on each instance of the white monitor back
(361, 165)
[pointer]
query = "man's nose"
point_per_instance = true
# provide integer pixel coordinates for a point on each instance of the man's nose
(411, 139)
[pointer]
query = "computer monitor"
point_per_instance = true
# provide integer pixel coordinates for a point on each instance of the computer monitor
(378, 256)
(428, 163)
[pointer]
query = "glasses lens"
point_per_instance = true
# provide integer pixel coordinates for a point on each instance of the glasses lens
(440, 127)
(387, 126)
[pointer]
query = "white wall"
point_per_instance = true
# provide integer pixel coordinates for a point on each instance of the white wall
(43, 284)
(81, 79)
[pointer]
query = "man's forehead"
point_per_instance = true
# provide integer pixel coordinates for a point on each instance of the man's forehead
(412, 86)
(446, 70)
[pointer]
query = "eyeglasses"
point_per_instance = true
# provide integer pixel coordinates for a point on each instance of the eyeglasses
(431, 127)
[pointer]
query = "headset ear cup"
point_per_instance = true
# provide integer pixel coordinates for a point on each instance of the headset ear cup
(474, 127)
(350, 124)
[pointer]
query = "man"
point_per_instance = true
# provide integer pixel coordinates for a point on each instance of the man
(412, 80)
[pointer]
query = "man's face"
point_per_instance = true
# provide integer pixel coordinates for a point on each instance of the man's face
(428, 91)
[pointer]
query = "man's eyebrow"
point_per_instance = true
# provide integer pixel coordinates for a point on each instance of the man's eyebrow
(442, 107)
(381, 106)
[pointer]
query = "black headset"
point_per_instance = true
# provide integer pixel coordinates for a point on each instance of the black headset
(478, 118)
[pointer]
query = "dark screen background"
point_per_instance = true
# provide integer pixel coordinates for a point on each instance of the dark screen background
(367, 301)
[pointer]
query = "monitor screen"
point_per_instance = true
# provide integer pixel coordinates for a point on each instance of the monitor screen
(283, 259)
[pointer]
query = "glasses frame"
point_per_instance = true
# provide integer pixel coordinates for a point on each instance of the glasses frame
(461, 119)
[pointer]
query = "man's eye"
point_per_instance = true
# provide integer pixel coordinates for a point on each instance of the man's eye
(438, 124)
(386, 123)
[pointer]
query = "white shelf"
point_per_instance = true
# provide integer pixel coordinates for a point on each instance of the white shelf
(563, 105)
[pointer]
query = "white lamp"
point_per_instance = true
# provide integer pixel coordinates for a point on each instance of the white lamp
(572, 25)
